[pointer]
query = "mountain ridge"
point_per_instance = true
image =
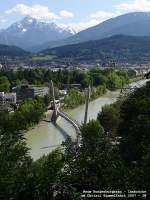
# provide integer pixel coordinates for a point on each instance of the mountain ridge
(118, 48)
(136, 24)
(30, 32)
(12, 51)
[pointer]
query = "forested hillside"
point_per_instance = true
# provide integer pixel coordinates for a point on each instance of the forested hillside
(119, 48)
(11, 51)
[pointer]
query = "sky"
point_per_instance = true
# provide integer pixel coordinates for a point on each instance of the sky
(78, 14)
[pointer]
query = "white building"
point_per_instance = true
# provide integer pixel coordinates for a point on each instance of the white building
(63, 92)
(1, 66)
(28, 91)
(7, 98)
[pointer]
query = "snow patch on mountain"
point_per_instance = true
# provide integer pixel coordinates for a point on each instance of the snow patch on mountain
(66, 27)
(31, 32)
(24, 30)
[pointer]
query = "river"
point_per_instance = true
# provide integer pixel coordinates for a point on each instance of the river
(45, 136)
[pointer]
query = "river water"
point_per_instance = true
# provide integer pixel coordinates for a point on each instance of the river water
(45, 137)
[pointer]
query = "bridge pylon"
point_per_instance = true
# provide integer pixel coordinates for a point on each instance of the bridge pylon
(87, 104)
(54, 116)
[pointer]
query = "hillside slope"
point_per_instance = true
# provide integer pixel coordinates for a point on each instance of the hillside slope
(119, 48)
(12, 51)
(134, 24)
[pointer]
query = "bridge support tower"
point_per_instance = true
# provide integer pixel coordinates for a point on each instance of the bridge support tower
(54, 116)
(87, 104)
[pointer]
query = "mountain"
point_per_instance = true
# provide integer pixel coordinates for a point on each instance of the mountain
(12, 51)
(30, 32)
(134, 24)
(118, 48)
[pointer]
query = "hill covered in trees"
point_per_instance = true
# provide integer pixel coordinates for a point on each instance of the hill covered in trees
(118, 48)
(12, 51)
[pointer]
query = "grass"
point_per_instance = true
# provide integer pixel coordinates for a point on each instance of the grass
(43, 58)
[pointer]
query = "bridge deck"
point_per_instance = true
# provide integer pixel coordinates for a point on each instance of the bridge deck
(70, 120)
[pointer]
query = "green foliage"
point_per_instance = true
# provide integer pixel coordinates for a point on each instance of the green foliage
(13, 158)
(85, 83)
(4, 84)
(97, 164)
(20, 178)
(135, 126)
(41, 76)
(16, 174)
(114, 81)
(47, 99)
(124, 75)
(12, 51)
(31, 111)
(132, 73)
(46, 172)
(98, 78)
(73, 99)
(109, 117)
(119, 48)
(98, 91)
(43, 58)
(92, 133)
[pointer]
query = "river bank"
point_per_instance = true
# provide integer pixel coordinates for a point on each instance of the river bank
(138, 78)
(95, 93)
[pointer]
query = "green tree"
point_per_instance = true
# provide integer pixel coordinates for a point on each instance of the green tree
(14, 159)
(114, 81)
(135, 123)
(4, 84)
(84, 170)
(46, 173)
(74, 98)
(109, 117)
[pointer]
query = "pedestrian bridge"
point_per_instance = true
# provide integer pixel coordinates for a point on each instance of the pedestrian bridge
(58, 112)
(68, 118)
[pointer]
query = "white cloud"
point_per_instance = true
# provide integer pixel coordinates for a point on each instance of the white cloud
(136, 5)
(3, 20)
(41, 12)
(36, 11)
(66, 14)
(102, 15)
(94, 19)
(78, 26)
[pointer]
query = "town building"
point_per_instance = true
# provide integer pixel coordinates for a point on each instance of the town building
(63, 92)
(1, 66)
(7, 98)
(71, 86)
(28, 91)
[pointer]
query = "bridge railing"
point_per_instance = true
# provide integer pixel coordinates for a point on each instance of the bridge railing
(70, 119)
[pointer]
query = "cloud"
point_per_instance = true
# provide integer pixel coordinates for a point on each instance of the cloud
(102, 15)
(36, 11)
(136, 5)
(39, 12)
(79, 26)
(3, 20)
(93, 19)
(66, 14)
